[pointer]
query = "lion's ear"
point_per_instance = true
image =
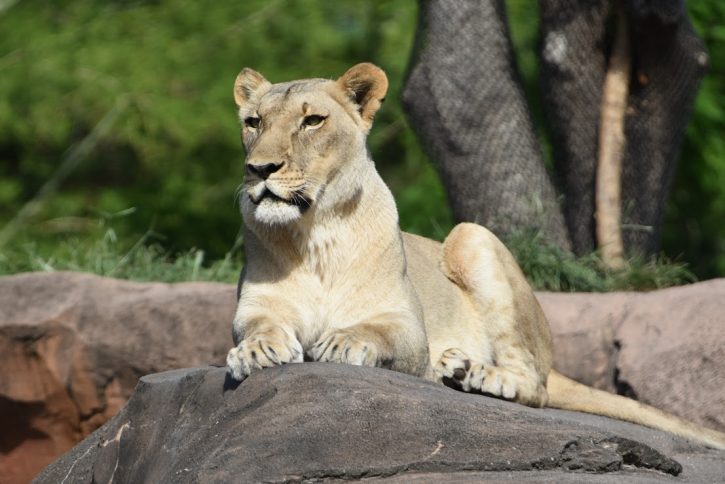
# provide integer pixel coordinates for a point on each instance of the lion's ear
(249, 83)
(365, 84)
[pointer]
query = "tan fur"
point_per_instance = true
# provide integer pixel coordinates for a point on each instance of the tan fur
(329, 274)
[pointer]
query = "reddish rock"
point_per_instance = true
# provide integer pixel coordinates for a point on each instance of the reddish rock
(665, 347)
(72, 347)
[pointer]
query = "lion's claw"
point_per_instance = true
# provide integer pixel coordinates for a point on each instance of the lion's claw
(269, 348)
(344, 347)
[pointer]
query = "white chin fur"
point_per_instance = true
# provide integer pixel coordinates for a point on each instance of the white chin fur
(275, 212)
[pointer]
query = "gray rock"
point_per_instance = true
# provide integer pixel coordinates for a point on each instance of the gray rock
(323, 422)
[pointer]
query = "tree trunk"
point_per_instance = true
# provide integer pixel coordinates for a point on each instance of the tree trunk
(572, 69)
(669, 60)
(464, 98)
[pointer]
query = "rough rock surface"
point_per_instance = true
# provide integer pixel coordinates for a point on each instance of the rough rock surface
(666, 347)
(72, 347)
(310, 422)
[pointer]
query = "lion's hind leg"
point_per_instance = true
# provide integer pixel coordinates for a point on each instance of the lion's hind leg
(456, 370)
(506, 319)
(452, 367)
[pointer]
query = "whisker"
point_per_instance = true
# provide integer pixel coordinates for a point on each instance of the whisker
(238, 192)
(299, 198)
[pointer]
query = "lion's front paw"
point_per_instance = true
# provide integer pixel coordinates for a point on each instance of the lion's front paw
(344, 347)
(261, 350)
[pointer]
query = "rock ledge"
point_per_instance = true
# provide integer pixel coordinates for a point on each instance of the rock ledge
(324, 422)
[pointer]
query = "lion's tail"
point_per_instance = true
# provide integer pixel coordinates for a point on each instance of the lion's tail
(567, 394)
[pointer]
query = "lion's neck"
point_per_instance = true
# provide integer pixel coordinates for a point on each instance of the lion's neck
(361, 234)
(364, 230)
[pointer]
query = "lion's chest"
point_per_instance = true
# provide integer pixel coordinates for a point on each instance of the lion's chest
(345, 300)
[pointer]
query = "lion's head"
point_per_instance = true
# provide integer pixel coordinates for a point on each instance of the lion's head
(304, 141)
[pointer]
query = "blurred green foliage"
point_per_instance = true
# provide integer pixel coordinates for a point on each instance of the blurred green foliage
(174, 151)
(695, 221)
(162, 72)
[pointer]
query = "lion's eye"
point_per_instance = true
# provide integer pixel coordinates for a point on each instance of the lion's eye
(251, 122)
(312, 120)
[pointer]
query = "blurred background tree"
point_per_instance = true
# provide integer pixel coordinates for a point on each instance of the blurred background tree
(113, 105)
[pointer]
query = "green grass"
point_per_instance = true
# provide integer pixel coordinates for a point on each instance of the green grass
(547, 267)
(550, 268)
(144, 261)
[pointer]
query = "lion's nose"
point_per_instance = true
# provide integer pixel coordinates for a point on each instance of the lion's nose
(263, 170)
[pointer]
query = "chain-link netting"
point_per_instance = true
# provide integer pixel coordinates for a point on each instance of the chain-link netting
(668, 62)
(572, 68)
(465, 100)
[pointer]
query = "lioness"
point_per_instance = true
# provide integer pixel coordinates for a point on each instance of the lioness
(330, 276)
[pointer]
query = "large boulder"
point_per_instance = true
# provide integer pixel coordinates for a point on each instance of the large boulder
(314, 421)
(73, 346)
